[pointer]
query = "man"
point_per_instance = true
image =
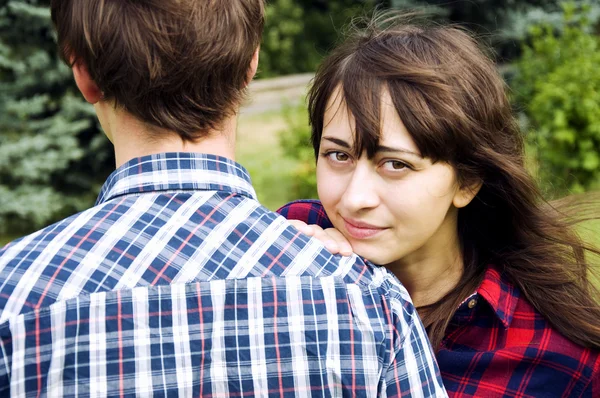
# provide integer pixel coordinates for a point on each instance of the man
(178, 282)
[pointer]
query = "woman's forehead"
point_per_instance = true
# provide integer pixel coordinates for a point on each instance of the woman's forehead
(340, 123)
(337, 110)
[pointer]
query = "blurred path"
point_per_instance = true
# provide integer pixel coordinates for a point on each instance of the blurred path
(272, 94)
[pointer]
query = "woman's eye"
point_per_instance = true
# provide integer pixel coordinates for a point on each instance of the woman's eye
(395, 165)
(338, 156)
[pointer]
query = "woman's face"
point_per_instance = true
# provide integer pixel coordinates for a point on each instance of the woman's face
(394, 207)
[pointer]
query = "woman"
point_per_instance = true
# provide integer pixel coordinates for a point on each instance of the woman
(420, 167)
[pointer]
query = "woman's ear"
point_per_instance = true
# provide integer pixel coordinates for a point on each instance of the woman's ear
(466, 193)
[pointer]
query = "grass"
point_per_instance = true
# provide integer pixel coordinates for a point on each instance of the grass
(590, 233)
(259, 150)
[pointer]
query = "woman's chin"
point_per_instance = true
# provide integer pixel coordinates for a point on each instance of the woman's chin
(374, 256)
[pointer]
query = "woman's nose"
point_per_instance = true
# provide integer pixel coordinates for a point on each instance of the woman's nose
(361, 193)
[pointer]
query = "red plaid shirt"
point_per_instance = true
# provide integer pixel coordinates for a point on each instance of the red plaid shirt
(497, 344)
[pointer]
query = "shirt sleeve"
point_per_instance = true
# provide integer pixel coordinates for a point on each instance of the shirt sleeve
(593, 388)
(413, 370)
(308, 210)
(5, 351)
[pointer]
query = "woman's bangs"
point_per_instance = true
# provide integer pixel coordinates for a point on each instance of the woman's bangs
(362, 97)
(426, 118)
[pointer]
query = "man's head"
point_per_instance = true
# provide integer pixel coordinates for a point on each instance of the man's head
(179, 65)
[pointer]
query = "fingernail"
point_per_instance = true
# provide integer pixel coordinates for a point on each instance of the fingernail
(307, 231)
(346, 250)
(332, 246)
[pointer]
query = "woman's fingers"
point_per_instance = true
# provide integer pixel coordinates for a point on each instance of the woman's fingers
(326, 239)
(302, 227)
(344, 246)
(331, 238)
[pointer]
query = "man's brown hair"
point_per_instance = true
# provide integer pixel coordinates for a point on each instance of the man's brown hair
(180, 65)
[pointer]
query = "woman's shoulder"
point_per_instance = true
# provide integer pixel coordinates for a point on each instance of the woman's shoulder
(508, 337)
(547, 344)
(311, 211)
(525, 317)
(521, 319)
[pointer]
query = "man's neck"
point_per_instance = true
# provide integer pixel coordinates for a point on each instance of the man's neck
(133, 139)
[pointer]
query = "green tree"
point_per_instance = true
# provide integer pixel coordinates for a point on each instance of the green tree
(298, 33)
(53, 156)
(558, 87)
(503, 24)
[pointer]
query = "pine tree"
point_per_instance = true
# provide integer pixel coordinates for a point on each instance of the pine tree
(53, 156)
(503, 24)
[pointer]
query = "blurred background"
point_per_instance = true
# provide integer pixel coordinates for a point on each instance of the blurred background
(54, 158)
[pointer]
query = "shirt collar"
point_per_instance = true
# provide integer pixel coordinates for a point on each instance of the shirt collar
(177, 172)
(502, 295)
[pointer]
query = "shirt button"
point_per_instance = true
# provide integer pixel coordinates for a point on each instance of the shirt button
(472, 303)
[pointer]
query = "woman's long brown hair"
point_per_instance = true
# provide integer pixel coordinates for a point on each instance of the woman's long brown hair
(453, 102)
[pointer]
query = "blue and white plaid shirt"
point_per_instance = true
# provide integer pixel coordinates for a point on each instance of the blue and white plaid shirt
(179, 283)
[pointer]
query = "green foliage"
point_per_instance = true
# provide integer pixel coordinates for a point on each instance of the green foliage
(284, 25)
(521, 19)
(502, 24)
(558, 86)
(295, 142)
(53, 156)
(299, 33)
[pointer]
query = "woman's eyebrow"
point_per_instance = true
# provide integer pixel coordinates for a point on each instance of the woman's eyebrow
(382, 148)
(339, 142)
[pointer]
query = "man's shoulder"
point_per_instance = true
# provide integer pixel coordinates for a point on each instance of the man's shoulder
(163, 239)
(60, 261)
(94, 221)
(41, 239)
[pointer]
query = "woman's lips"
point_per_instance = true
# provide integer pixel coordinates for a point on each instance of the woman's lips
(361, 230)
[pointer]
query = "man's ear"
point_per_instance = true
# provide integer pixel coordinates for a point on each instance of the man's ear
(466, 193)
(88, 87)
(253, 66)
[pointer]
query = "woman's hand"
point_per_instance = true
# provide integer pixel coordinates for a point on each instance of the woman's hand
(333, 239)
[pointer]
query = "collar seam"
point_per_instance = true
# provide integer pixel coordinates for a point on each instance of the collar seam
(172, 191)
